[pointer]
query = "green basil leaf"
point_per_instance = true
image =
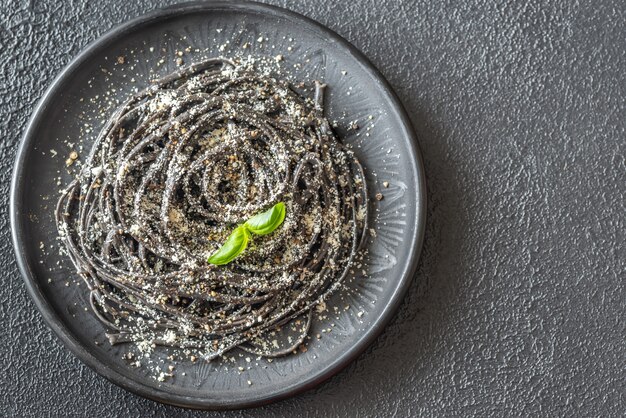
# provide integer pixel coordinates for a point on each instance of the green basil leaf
(236, 242)
(266, 222)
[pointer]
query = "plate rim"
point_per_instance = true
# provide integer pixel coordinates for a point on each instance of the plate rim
(163, 395)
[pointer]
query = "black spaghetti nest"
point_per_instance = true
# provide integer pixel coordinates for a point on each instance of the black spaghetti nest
(174, 170)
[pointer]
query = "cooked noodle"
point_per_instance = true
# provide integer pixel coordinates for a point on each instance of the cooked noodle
(175, 169)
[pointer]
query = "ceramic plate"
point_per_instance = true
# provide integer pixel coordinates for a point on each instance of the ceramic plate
(384, 143)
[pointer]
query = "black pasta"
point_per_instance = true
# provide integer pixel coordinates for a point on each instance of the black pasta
(174, 170)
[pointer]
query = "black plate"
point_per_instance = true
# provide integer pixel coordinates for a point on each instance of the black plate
(385, 144)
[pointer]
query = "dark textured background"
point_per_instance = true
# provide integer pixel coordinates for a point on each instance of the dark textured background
(519, 304)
